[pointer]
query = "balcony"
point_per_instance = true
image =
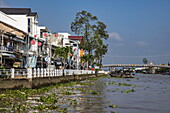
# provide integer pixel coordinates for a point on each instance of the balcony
(6, 49)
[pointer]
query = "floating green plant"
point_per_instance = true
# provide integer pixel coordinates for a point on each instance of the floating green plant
(124, 84)
(112, 106)
(47, 99)
(4, 109)
(73, 102)
(128, 91)
(95, 92)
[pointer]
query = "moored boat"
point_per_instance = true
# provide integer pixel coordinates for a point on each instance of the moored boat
(123, 74)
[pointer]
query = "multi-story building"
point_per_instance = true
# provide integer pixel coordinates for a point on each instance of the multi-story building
(12, 42)
(25, 44)
(75, 41)
(24, 18)
(23, 24)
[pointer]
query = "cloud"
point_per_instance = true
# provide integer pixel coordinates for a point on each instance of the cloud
(141, 43)
(3, 4)
(115, 36)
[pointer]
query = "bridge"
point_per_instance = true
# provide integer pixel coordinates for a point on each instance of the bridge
(135, 65)
(151, 66)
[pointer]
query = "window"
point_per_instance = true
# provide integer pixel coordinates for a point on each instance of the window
(29, 23)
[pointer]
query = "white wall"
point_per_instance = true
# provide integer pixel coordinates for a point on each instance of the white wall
(64, 34)
(65, 38)
(12, 21)
(20, 22)
(34, 26)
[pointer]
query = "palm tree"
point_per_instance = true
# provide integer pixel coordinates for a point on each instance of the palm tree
(63, 53)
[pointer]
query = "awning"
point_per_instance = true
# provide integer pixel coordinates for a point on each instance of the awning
(18, 40)
(22, 38)
(8, 55)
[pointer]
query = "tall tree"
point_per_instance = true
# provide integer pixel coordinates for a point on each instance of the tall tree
(83, 25)
(93, 32)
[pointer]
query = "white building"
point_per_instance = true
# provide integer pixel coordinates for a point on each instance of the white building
(21, 18)
(65, 40)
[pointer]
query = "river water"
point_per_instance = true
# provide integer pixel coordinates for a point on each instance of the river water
(142, 94)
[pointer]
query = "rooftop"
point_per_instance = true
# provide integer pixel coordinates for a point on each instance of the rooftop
(76, 37)
(18, 11)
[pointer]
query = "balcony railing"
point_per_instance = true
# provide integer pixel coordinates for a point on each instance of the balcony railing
(5, 48)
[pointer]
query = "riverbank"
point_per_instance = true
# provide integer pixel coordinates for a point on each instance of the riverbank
(35, 78)
(52, 98)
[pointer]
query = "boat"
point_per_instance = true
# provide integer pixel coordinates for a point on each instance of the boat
(123, 73)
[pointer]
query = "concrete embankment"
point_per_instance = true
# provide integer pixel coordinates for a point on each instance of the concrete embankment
(40, 82)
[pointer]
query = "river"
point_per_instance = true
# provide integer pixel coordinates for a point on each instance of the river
(142, 94)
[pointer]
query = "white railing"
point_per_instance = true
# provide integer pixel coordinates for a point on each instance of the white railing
(78, 72)
(40, 72)
(5, 73)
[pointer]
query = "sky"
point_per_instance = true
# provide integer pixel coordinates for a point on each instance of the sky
(137, 28)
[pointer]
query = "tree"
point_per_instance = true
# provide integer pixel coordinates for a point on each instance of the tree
(145, 61)
(93, 32)
(99, 52)
(63, 53)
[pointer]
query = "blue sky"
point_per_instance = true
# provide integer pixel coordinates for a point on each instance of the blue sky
(137, 28)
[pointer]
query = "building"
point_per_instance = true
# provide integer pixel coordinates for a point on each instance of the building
(12, 42)
(21, 26)
(23, 43)
(24, 19)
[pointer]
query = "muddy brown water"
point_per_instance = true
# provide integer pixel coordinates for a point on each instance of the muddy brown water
(147, 94)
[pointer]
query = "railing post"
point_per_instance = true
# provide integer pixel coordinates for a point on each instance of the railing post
(45, 72)
(52, 71)
(58, 72)
(41, 72)
(48, 72)
(35, 72)
(38, 72)
(12, 72)
(29, 70)
(55, 72)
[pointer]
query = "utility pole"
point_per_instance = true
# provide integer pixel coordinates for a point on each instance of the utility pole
(2, 43)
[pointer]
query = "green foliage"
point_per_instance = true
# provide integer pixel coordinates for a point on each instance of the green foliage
(93, 32)
(145, 61)
(1, 67)
(63, 52)
(2, 73)
(46, 99)
(88, 57)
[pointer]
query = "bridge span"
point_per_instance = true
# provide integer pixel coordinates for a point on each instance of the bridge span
(135, 65)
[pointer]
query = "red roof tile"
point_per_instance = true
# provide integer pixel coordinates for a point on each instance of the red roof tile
(75, 37)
